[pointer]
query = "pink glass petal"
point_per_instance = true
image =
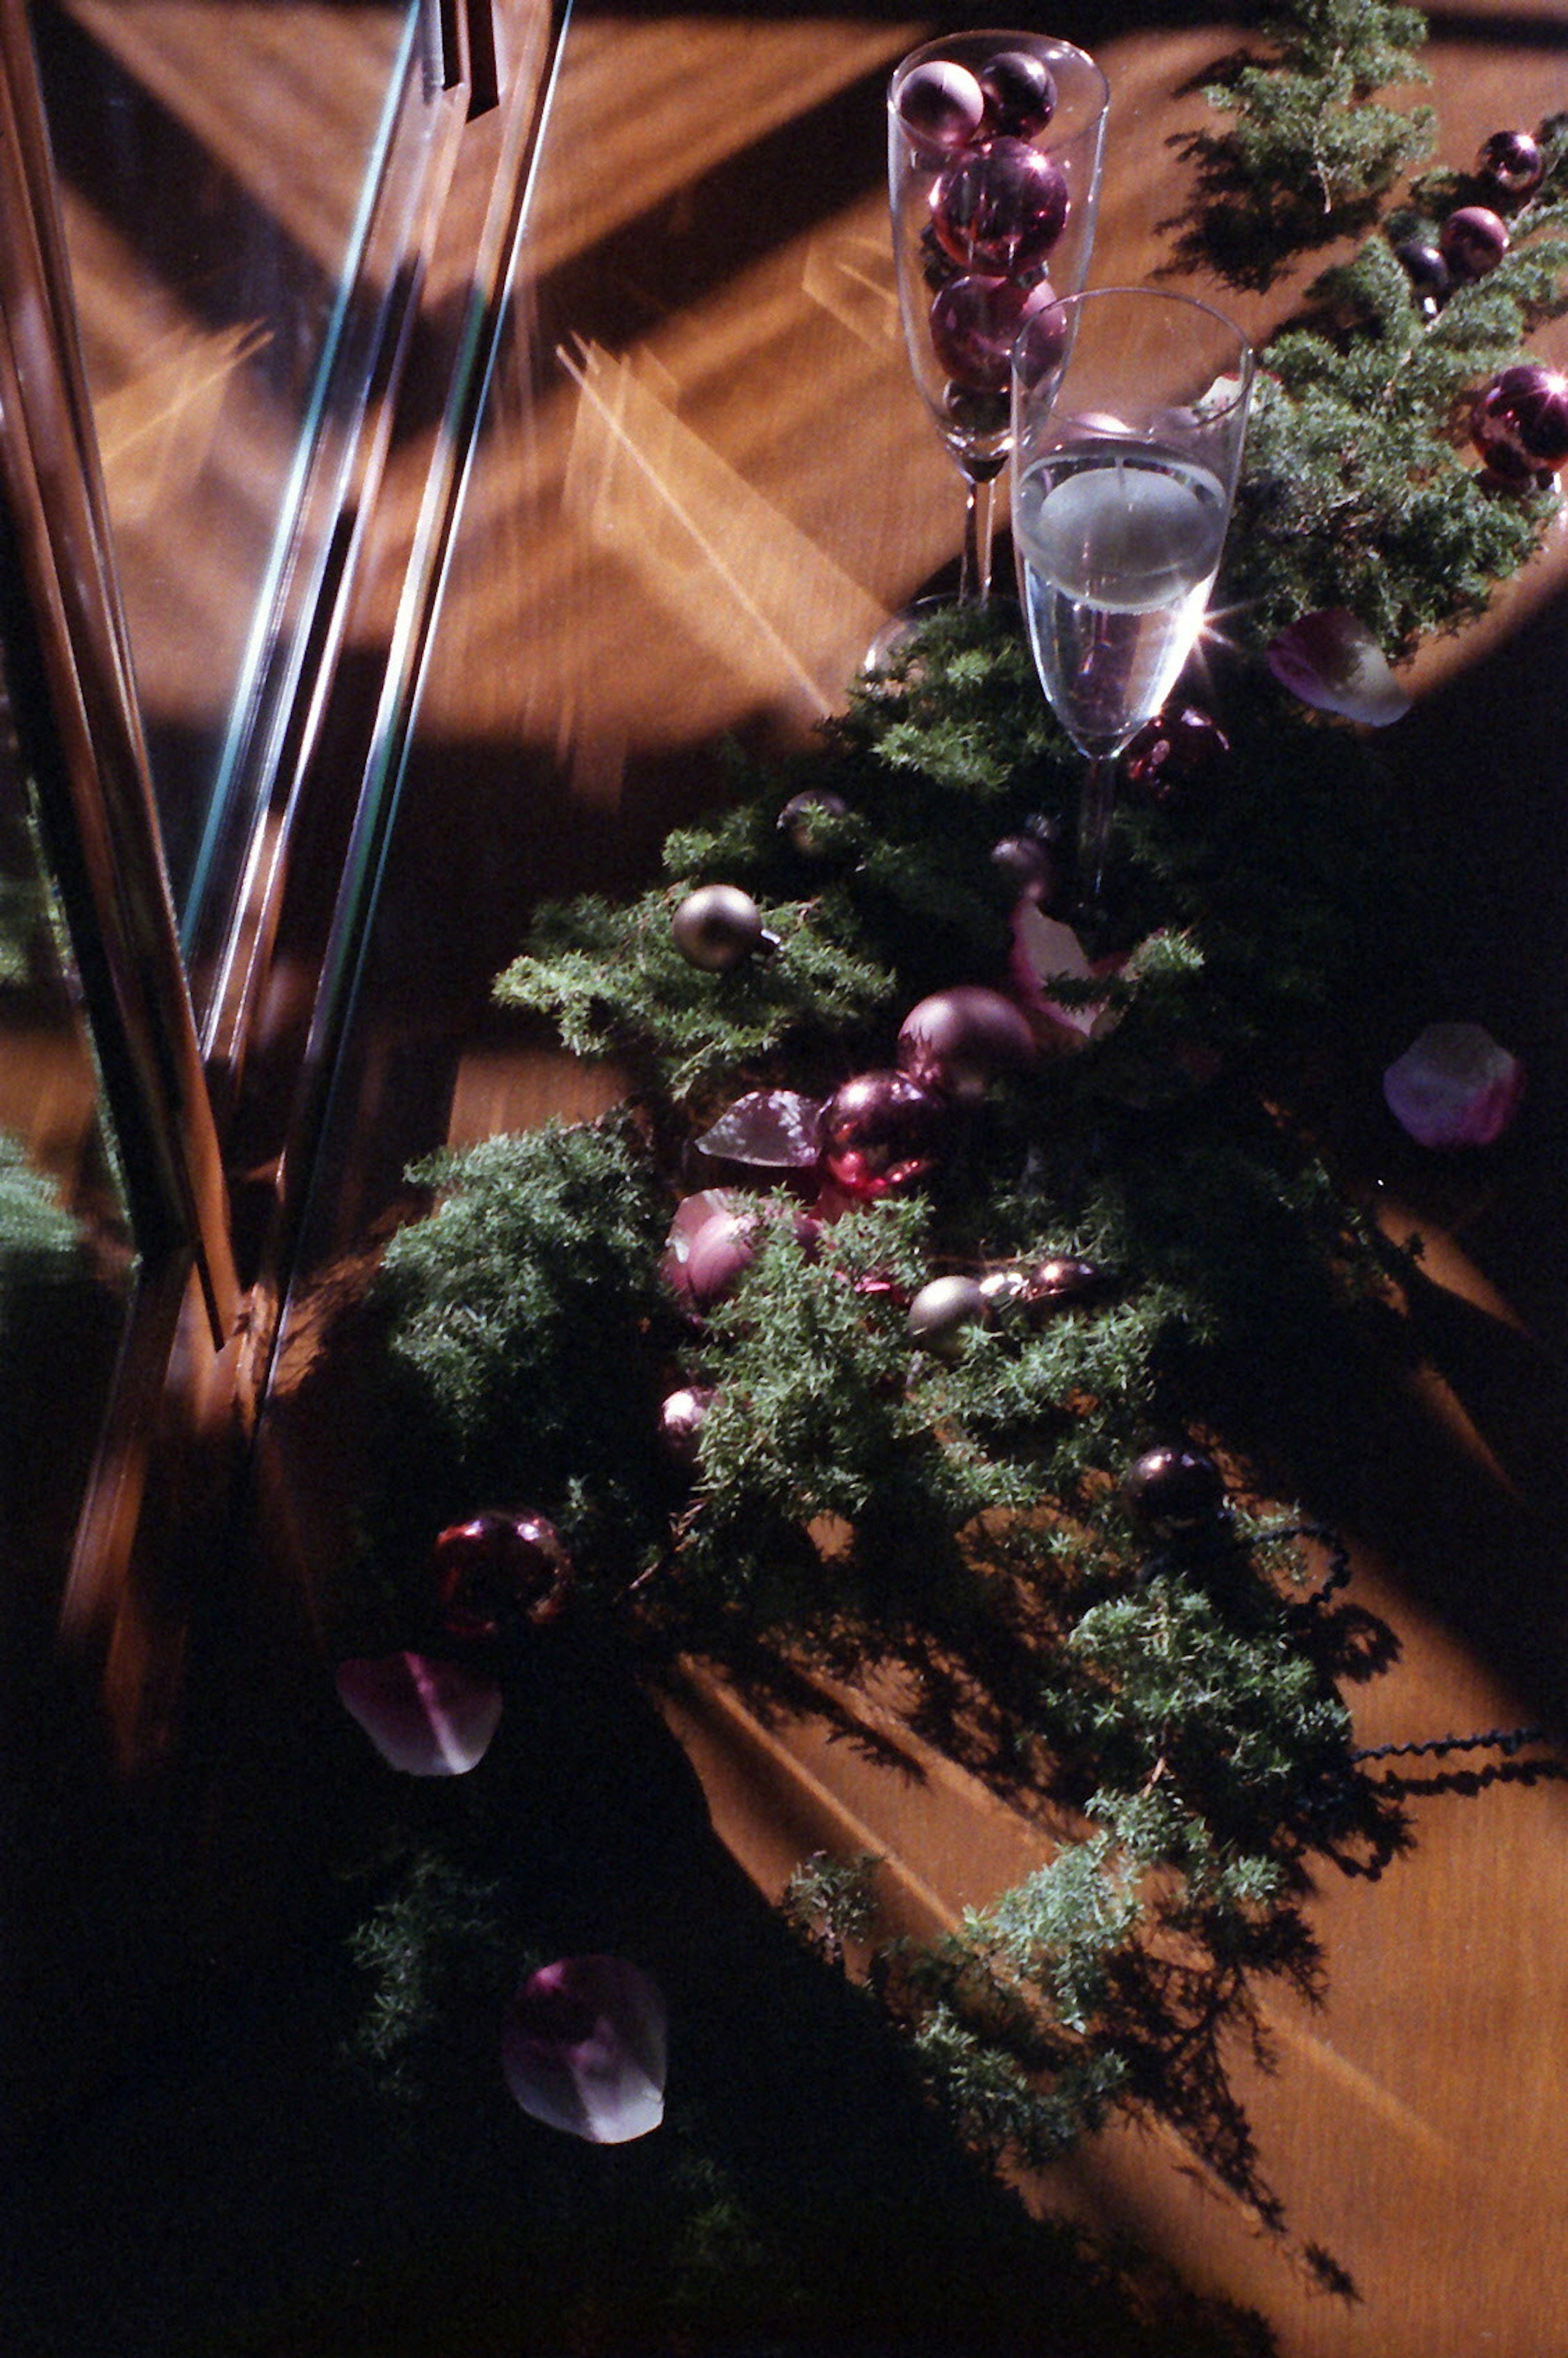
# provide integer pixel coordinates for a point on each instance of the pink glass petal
(774, 1130)
(426, 1718)
(583, 2048)
(1332, 662)
(1044, 951)
(1454, 1086)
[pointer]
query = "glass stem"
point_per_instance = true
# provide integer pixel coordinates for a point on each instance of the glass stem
(980, 509)
(1094, 827)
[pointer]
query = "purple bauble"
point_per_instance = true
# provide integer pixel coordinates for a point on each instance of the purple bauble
(1173, 1490)
(959, 1041)
(499, 1572)
(1179, 754)
(941, 106)
(974, 325)
(1513, 163)
(881, 1132)
(1000, 208)
(1473, 240)
(721, 1252)
(1520, 422)
(1042, 341)
(1020, 94)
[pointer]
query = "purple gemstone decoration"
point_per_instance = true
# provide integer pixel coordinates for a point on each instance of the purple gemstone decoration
(975, 323)
(1020, 94)
(1000, 208)
(941, 106)
(1520, 422)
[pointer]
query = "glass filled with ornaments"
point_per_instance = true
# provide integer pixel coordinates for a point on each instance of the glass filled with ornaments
(995, 143)
(1130, 414)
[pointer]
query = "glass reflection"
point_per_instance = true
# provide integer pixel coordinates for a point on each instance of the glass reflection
(219, 170)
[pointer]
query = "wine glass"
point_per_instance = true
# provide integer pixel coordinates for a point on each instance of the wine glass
(1129, 412)
(994, 148)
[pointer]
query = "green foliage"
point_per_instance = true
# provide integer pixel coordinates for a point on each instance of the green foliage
(522, 1323)
(829, 1902)
(959, 1515)
(1312, 147)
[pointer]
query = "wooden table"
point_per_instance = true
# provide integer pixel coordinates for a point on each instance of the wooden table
(704, 480)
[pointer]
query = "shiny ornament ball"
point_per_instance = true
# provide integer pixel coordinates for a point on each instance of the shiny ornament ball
(1027, 864)
(1473, 240)
(718, 928)
(1173, 1488)
(944, 1312)
(882, 1132)
(973, 413)
(974, 323)
(1177, 755)
(959, 1041)
(1005, 1292)
(1062, 1283)
(941, 106)
(499, 1572)
(800, 820)
(721, 1252)
(681, 1417)
(1520, 422)
(1020, 94)
(1000, 208)
(1430, 279)
(1513, 163)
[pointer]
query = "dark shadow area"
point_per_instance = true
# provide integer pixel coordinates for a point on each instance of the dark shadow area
(237, 2178)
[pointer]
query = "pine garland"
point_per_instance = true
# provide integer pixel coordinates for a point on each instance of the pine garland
(1175, 1702)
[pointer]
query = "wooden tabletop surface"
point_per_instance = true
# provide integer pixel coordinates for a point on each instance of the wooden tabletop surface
(704, 478)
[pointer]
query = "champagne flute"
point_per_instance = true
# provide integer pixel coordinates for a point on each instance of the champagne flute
(1129, 411)
(994, 147)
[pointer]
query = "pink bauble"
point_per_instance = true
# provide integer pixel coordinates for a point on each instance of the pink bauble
(1473, 240)
(1000, 208)
(941, 106)
(881, 1132)
(959, 1041)
(1520, 422)
(975, 322)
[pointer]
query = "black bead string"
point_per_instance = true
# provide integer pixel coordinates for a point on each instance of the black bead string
(1338, 1573)
(1506, 1740)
